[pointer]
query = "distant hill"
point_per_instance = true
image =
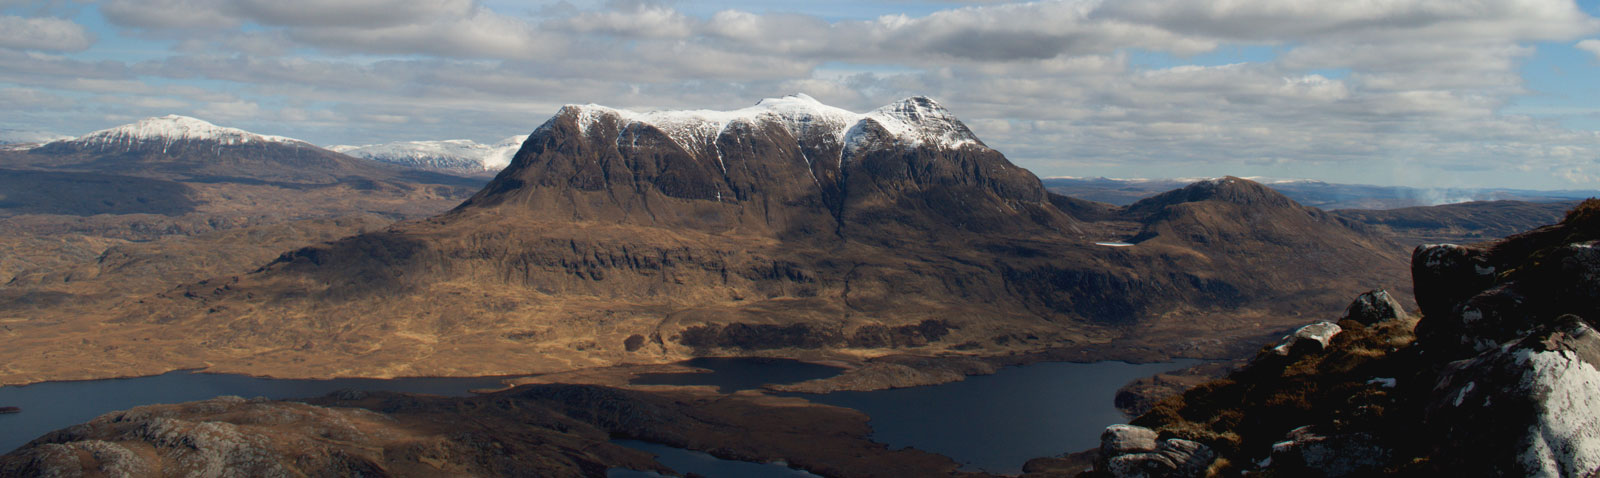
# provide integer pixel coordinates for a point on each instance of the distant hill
(456, 156)
(1317, 194)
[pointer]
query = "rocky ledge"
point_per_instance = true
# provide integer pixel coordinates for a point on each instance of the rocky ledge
(1499, 376)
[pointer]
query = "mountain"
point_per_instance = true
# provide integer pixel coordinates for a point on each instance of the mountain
(455, 156)
(170, 165)
(183, 148)
(1317, 194)
(137, 208)
(789, 228)
(1497, 377)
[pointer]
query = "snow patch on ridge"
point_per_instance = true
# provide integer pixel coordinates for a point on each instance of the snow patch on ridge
(911, 122)
(170, 129)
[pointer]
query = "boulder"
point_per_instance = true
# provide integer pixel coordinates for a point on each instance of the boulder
(1445, 276)
(1375, 306)
(1308, 339)
(1306, 453)
(1527, 408)
(1119, 440)
(1172, 458)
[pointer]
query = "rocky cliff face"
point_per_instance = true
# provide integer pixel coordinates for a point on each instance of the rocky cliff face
(1498, 378)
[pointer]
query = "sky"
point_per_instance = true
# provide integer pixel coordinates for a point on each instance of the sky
(1426, 93)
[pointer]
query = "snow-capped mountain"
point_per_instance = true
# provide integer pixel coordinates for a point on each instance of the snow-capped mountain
(911, 122)
(171, 129)
(458, 156)
(182, 148)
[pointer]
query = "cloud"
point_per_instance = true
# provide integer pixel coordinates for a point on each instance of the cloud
(349, 13)
(168, 14)
(480, 34)
(45, 34)
(1591, 46)
(636, 21)
(1079, 87)
(1277, 21)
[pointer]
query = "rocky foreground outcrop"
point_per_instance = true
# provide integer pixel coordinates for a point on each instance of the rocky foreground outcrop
(1500, 376)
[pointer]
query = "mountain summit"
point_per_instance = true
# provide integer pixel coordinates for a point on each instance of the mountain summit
(185, 148)
(786, 166)
(170, 129)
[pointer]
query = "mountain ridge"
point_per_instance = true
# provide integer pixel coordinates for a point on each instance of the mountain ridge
(784, 233)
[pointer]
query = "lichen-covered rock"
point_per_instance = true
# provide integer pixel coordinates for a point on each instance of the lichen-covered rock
(1444, 277)
(1310, 338)
(1528, 408)
(1306, 453)
(1447, 274)
(1375, 306)
(1119, 440)
(1172, 458)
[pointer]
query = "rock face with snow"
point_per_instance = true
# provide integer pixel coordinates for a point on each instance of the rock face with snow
(788, 166)
(455, 156)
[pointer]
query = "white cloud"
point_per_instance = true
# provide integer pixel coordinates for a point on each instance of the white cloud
(480, 34)
(46, 34)
(641, 21)
(1064, 87)
(1591, 46)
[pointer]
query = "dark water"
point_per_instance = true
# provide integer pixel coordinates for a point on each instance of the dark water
(54, 405)
(686, 461)
(733, 374)
(997, 422)
(991, 423)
